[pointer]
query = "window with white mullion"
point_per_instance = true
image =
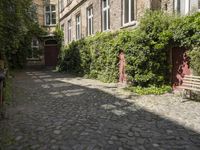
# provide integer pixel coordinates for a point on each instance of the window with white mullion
(128, 11)
(50, 15)
(106, 15)
(90, 20)
(78, 27)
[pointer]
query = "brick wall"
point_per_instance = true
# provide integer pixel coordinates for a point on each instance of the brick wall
(80, 6)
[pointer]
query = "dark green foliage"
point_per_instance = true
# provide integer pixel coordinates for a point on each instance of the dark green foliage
(150, 90)
(147, 49)
(94, 57)
(195, 59)
(17, 26)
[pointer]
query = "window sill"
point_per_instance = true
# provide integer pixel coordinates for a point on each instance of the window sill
(53, 25)
(108, 30)
(134, 23)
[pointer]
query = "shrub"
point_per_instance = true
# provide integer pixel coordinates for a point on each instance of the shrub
(146, 50)
(150, 90)
(195, 59)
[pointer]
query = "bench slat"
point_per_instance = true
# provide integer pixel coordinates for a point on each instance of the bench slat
(191, 79)
(191, 85)
(191, 76)
(187, 88)
(191, 82)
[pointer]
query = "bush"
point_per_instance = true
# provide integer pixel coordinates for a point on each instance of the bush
(150, 90)
(146, 50)
(94, 57)
(195, 59)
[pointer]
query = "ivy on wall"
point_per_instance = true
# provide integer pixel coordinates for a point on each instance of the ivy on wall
(146, 48)
(17, 26)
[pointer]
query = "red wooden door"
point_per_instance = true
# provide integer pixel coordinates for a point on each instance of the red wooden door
(181, 66)
(51, 55)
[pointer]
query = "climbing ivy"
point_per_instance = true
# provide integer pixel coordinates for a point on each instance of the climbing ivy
(17, 26)
(147, 50)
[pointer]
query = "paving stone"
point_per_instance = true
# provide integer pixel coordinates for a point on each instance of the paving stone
(56, 131)
(94, 117)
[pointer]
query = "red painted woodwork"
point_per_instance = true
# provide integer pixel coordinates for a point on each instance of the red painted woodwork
(51, 55)
(181, 66)
(122, 63)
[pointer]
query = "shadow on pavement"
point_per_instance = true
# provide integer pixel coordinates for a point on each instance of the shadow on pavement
(49, 114)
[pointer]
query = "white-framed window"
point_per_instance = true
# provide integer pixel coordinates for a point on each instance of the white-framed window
(129, 11)
(182, 7)
(78, 26)
(50, 15)
(106, 14)
(34, 52)
(90, 29)
(69, 30)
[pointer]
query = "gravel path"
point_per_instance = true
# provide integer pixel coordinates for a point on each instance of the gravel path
(57, 111)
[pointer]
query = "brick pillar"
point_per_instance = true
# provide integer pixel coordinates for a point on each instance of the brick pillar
(122, 64)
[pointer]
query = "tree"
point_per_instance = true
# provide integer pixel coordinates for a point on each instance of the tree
(17, 26)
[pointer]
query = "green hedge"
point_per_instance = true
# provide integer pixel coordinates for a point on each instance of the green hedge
(146, 48)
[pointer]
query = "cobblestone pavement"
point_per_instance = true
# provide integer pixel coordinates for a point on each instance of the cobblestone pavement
(56, 111)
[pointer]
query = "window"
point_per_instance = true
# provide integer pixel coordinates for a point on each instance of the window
(69, 31)
(78, 27)
(90, 21)
(34, 51)
(50, 15)
(129, 11)
(182, 6)
(198, 4)
(62, 5)
(105, 15)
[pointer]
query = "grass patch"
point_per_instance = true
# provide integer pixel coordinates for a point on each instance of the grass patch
(150, 90)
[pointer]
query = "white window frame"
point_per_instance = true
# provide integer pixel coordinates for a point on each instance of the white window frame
(198, 5)
(69, 30)
(90, 31)
(186, 9)
(78, 27)
(106, 9)
(34, 47)
(50, 14)
(130, 22)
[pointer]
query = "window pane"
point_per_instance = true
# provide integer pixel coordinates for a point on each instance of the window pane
(53, 21)
(54, 15)
(104, 3)
(53, 8)
(132, 10)
(47, 19)
(104, 20)
(90, 26)
(126, 11)
(178, 6)
(108, 18)
(47, 8)
(198, 4)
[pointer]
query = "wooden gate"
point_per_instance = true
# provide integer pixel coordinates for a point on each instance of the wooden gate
(51, 53)
(181, 66)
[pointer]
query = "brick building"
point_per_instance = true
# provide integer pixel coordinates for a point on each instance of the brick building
(80, 18)
(43, 51)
